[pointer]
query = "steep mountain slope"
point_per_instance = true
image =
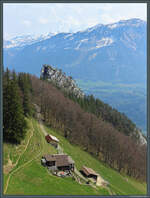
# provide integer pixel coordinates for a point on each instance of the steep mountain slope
(78, 132)
(29, 177)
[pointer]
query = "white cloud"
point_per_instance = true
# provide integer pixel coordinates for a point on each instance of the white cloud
(43, 21)
(92, 22)
(107, 7)
(123, 12)
(66, 17)
(27, 23)
(106, 18)
(74, 21)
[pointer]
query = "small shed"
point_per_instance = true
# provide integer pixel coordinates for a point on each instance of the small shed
(52, 140)
(88, 172)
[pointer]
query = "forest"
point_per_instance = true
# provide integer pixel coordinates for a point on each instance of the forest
(88, 123)
(105, 112)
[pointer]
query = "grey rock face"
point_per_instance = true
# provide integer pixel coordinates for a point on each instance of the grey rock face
(58, 78)
(141, 140)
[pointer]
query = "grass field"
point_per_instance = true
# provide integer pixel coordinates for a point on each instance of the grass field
(28, 177)
(119, 184)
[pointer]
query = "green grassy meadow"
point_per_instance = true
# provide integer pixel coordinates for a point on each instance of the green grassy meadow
(118, 182)
(29, 177)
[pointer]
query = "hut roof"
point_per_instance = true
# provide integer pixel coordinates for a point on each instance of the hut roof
(61, 160)
(89, 171)
(52, 137)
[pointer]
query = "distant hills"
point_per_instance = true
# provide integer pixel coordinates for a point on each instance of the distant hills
(113, 53)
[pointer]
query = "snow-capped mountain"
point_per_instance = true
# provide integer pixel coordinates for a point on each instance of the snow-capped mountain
(23, 40)
(113, 52)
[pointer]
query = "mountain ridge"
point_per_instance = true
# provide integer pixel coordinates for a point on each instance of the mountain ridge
(110, 52)
(24, 37)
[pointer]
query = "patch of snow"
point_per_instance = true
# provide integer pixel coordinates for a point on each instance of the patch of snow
(84, 40)
(67, 48)
(11, 45)
(68, 35)
(104, 42)
(71, 38)
(80, 42)
(23, 40)
(133, 22)
(128, 42)
(92, 28)
(112, 26)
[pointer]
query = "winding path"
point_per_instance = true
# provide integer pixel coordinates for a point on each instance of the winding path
(42, 128)
(5, 190)
(59, 149)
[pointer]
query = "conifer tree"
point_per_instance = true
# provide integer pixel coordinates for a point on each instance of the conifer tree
(24, 84)
(14, 120)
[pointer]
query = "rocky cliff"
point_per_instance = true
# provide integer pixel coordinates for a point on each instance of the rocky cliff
(59, 79)
(141, 139)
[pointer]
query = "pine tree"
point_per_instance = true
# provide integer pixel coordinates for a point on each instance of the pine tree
(14, 121)
(24, 84)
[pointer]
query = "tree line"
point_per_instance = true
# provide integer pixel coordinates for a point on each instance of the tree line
(105, 112)
(16, 105)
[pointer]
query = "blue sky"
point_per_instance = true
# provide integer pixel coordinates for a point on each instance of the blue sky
(42, 18)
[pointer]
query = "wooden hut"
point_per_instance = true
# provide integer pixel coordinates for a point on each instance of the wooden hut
(58, 162)
(52, 140)
(88, 172)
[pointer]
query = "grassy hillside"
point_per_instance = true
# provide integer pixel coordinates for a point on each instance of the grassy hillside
(28, 177)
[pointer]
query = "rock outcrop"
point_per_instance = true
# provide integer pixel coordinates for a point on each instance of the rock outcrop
(142, 139)
(59, 79)
(138, 136)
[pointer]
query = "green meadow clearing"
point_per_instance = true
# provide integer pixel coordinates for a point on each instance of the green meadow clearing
(28, 177)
